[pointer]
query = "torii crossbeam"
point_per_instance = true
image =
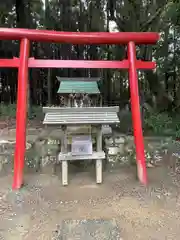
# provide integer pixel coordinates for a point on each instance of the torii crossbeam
(24, 62)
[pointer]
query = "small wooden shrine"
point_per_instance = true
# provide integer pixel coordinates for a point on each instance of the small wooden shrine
(79, 92)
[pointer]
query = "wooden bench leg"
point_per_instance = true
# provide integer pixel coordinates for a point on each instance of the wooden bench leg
(64, 173)
(64, 163)
(99, 161)
(99, 171)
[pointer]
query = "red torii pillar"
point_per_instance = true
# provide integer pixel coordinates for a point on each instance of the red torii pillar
(136, 114)
(21, 113)
(24, 62)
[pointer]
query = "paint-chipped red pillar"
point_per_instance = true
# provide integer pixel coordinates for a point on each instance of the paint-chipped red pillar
(136, 114)
(21, 114)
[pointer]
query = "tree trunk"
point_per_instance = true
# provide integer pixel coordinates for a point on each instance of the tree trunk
(46, 20)
(23, 21)
(22, 15)
(49, 86)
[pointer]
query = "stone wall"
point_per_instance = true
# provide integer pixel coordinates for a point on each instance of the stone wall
(42, 147)
(121, 149)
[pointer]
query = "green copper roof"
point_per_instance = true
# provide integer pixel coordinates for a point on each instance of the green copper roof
(78, 87)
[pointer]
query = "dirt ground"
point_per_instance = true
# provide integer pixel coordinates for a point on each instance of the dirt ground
(38, 209)
(141, 213)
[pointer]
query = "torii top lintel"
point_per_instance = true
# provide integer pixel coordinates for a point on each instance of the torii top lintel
(79, 37)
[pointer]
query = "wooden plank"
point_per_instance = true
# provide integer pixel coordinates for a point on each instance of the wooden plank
(70, 157)
(69, 138)
(80, 119)
(83, 109)
(89, 79)
(83, 129)
(99, 161)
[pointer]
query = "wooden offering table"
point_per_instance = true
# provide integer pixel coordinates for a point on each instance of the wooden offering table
(72, 120)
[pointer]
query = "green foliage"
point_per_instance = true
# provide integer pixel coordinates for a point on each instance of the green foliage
(37, 112)
(9, 111)
(162, 124)
(155, 123)
(158, 122)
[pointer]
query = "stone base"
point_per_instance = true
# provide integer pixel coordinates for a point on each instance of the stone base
(89, 230)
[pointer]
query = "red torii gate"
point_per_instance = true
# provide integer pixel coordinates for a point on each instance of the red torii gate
(23, 63)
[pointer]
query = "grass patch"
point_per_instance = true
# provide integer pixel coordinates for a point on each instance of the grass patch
(162, 124)
(9, 111)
